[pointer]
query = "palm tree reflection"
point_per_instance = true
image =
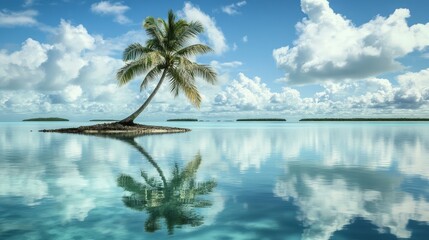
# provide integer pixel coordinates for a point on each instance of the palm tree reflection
(173, 199)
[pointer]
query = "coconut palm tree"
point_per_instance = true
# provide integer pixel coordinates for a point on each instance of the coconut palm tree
(166, 54)
(172, 200)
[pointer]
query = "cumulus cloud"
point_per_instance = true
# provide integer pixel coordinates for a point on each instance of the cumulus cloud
(116, 9)
(361, 97)
(71, 93)
(244, 94)
(232, 9)
(30, 57)
(331, 47)
(214, 35)
(414, 91)
(73, 73)
(22, 18)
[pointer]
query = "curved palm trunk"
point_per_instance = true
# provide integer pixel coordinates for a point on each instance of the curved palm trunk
(132, 142)
(130, 119)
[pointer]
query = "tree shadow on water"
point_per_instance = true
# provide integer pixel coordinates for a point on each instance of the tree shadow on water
(173, 199)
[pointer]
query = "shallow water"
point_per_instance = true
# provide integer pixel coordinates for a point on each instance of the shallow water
(221, 181)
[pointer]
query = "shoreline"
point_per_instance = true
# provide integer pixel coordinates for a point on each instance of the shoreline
(364, 119)
(118, 129)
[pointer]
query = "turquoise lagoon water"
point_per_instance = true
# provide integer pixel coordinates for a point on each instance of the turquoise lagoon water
(219, 181)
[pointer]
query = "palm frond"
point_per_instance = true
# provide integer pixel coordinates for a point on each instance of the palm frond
(150, 76)
(155, 44)
(176, 76)
(182, 78)
(190, 90)
(154, 30)
(193, 50)
(128, 72)
(205, 72)
(195, 69)
(129, 184)
(205, 187)
(135, 51)
(188, 31)
(134, 202)
(202, 204)
(191, 168)
(149, 180)
(170, 29)
(140, 66)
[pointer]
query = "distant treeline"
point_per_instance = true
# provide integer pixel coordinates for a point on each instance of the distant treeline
(361, 119)
(49, 119)
(261, 119)
(183, 120)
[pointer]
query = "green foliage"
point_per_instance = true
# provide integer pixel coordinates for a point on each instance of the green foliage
(166, 54)
(183, 120)
(50, 119)
(173, 200)
(261, 119)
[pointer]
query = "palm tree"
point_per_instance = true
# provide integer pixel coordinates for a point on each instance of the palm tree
(166, 54)
(173, 199)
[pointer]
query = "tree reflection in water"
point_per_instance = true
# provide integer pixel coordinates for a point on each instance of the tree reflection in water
(173, 199)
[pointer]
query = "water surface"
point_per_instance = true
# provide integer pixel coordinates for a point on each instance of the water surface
(220, 181)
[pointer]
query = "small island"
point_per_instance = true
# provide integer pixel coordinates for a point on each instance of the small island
(174, 61)
(49, 119)
(183, 120)
(261, 120)
(118, 129)
(103, 120)
(362, 119)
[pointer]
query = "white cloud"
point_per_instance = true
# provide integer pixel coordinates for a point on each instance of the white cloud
(414, 89)
(232, 9)
(219, 66)
(116, 9)
(71, 93)
(245, 39)
(213, 33)
(73, 38)
(331, 47)
(23, 18)
(359, 97)
(21, 69)
(244, 94)
(75, 73)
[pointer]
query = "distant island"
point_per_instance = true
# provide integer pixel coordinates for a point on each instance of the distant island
(261, 119)
(49, 119)
(361, 119)
(183, 120)
(103, 120)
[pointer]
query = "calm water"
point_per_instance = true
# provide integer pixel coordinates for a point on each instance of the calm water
(220, 181)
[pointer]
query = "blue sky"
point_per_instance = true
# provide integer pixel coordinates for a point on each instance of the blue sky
(291, 59)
